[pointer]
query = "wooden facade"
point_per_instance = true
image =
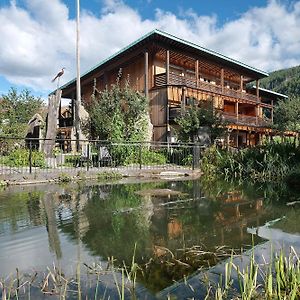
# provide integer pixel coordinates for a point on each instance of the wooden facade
(174, 74)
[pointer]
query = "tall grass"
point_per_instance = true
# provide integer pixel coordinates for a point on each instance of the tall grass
(279, 279)
(270, 162)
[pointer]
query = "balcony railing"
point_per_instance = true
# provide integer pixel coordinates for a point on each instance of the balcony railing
(174, 79)
(246, 120)
(175, 112)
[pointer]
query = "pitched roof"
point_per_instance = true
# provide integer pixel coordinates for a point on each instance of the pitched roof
(180, 43)
(272, 93)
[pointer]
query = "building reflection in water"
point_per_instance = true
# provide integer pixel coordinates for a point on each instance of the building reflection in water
(110, 219)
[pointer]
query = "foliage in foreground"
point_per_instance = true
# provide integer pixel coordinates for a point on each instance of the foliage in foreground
(20, 158)
(118, 114)
(270, 162)
(278, 279)
(16, 110)
(195, 117)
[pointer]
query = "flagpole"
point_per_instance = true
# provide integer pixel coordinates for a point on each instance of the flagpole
(78, 86)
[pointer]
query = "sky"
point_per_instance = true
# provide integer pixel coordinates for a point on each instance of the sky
(37, 37)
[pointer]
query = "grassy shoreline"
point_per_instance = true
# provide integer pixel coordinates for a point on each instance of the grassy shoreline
(272, 162)
(278, 278)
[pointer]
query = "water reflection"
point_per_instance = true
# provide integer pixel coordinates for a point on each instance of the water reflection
(65, 223)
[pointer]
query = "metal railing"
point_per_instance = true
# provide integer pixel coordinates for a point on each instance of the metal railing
(26, 156)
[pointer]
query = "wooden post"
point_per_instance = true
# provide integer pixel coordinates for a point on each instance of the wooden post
(237, 138)
(197, 72)
(146, 87)
(257, 113)
(257, 90)
(237, 110)
(222, 79)
(242, 83)
(272, 112)
(167, 67)
(183, 100)
(248, 138)
(49, 145)
(152, 77)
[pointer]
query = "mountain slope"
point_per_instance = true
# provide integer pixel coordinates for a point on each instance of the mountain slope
(286, 81)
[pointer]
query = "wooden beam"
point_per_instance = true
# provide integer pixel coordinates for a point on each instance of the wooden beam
(197, 72)
(53, 107)
(256, 113)
(183, 100)
(168, 66)
(222, 79)
(146, 87)
(272, 112)
(237, 110)
(242, 83)
(257, 89)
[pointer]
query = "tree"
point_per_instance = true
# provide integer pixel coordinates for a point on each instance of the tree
(119, 115)
(287, 114)
(16, 110)
(195, 117)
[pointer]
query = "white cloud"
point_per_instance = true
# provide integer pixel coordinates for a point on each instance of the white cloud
(38, 39)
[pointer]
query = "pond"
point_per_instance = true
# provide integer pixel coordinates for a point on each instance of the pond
(91, 222)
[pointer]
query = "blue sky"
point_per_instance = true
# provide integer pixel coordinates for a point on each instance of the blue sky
(224, 9)
(38, 36)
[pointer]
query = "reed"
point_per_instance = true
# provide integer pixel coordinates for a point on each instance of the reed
(270, 162)
(279, 279)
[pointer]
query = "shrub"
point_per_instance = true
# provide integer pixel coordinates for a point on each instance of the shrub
(109, 176)
(71, 160)
(20, 158)
(64, 178)
(188, 160)
(146, 157)
(180, 156)
(271, 162)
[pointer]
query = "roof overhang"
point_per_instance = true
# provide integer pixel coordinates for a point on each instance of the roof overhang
(270, 93)
(169, 40)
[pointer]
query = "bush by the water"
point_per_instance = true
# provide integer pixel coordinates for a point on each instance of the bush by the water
(270, 162)
(145, 157)
(20, 158)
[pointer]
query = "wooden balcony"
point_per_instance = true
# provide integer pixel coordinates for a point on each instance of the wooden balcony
(246, 120)
(177, 80)
(175, 112)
